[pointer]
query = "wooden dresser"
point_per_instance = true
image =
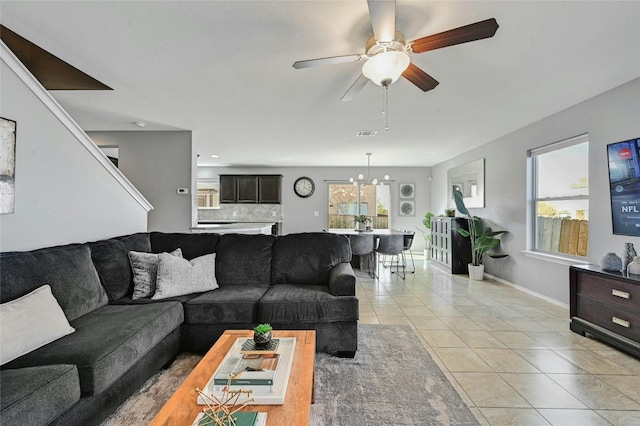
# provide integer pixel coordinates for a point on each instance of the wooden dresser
(606, 305)
(449, 249)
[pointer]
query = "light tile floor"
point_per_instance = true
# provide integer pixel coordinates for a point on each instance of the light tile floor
(509, 354)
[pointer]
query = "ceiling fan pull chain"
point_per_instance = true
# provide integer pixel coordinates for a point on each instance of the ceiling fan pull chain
(385, 97)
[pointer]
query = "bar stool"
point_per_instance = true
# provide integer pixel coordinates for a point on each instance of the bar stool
(408, 241)
(392, 245)
(364, 245)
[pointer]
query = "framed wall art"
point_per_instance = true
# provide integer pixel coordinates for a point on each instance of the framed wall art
(407, 208)
(7, 165)
(407, 190)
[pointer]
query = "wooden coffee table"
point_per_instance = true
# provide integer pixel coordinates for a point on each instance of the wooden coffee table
(181, 409)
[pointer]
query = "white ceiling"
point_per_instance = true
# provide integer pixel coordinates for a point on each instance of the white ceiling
(223, 70)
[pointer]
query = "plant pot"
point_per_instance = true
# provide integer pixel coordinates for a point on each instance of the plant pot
(361, 226)
(476, 273)
(427, 253)
(262, 340)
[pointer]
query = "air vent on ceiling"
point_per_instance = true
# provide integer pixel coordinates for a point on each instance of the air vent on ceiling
(367, 133)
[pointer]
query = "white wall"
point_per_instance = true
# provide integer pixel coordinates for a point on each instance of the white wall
(63, 193)
(610, 117)
(157, 163)
(299, 212)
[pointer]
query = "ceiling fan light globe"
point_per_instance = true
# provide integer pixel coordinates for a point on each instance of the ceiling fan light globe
(387, 65)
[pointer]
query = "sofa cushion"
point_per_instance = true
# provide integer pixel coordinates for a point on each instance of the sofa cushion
(108, 342)
(178, 276)
(243, 259)
(304, 304)
(37, 395)
(67, 269)
(29, 322)
(307, 258)
(229, 305)
(145, 272)
(111, 258)
(192, 245)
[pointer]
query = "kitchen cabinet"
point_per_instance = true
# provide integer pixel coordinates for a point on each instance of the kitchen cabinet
(449, 249)
(606, 305)
(251, 189)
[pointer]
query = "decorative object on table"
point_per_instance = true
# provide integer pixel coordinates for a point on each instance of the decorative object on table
(426, 233)
(482, 239)
(450, 212)
(361, 180)
(249, 347)
(361, 221)
(7, 165)
(407, 190)
(220, 411)
(634, 266)
(628, 253)
(262, 335)
(407, 208)
(304, 187)
(611, 262)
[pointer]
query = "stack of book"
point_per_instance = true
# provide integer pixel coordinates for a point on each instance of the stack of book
(254, 372)
(241, 418)
(260, 376)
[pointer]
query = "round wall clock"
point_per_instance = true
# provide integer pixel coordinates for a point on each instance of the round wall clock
(304, 187)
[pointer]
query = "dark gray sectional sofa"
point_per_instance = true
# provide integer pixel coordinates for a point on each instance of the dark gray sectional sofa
(296, 281)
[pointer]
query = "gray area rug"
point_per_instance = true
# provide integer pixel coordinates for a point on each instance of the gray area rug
(391, 381)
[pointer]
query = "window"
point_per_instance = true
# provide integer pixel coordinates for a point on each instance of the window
(346, 201)
(560, 197)
(208, 193)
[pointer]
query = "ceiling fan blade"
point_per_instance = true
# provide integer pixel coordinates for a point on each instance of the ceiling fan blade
(327, 61)
(355, 88)
(420, 78)
(471, 32)
(383, 19)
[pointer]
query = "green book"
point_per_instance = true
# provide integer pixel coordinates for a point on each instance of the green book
(242, 418)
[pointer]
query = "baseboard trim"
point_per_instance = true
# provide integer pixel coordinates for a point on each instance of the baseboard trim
(526, 290)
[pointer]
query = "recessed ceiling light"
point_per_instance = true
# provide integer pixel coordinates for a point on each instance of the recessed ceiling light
(367, 133)
(140, 123)
(214, 156)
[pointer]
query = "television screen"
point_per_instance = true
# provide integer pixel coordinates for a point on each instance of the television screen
(624, 181)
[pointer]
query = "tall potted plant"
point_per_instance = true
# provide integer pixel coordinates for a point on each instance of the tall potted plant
(426, 233)
(483, 239)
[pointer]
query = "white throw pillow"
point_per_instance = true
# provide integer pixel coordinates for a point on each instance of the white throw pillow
(29, 322)
(178, 276)
(145, 272)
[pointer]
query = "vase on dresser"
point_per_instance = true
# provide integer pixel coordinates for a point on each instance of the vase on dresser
(628, 254)
(634, 267)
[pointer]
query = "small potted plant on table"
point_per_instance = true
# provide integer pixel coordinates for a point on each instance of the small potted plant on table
(262, 335)
(361, 221)
(482, 239)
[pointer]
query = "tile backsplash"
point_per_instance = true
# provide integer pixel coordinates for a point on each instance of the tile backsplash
(243, 213)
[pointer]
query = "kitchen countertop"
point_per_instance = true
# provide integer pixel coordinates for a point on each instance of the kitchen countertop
(235, 227)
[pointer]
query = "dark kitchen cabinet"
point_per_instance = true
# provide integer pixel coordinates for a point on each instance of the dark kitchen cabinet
(227, 189)
(251, 189)
(246, 189)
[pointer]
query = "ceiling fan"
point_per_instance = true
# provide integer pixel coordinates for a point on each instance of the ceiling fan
(387, 52)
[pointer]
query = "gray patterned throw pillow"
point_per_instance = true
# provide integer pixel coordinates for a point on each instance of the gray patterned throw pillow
(178, 276)
(145, 272)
